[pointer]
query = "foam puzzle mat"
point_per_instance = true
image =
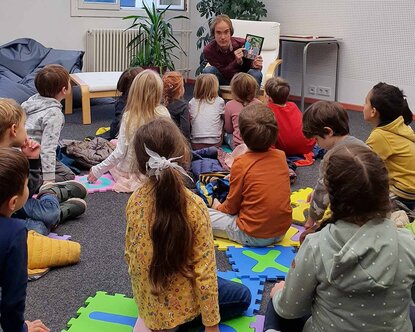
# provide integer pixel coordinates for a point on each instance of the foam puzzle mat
(117, 313)
(105, 313)
(300, 205)
(255, 285)
(291, 238)
(103, 184)
(59, 237)
(271, 262)
(240, 324)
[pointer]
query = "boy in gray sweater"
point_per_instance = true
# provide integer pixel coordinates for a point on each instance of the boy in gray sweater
(45, 120)
(328, 123)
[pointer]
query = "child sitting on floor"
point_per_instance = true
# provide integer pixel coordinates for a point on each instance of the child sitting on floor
(45, 120)
(14, 172)
(56, 202)
(386, 109)
(206, 112)
(290, 138)
(173, 91)
(143, 105)
(169, 245)
(123, 86)
(257, 210)
(328, 123)
(356, 273)
(244, 88)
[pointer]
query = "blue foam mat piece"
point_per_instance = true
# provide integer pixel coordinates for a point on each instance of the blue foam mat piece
(242, 261)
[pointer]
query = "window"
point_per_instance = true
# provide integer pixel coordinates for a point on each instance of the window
(119, 8)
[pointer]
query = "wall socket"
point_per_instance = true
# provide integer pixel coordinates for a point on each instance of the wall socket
(323, 91)
(312, 89)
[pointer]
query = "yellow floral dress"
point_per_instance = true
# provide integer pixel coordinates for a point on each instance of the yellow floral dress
(184, 298)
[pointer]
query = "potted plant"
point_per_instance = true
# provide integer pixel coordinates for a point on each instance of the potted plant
(251, 10)
(154, 45)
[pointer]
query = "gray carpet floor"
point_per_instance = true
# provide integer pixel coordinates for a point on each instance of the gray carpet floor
(56, 297)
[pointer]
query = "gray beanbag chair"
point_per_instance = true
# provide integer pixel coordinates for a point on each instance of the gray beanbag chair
(21, 59)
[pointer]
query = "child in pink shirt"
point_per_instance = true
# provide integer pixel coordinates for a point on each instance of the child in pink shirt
(289, 118)
(244, 89)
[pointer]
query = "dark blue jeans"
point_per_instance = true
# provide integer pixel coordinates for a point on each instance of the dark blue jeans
(40, 214)
(234, 299)
(255, 73)
(276, 322)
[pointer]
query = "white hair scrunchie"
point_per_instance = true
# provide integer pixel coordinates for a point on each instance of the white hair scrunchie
(156, 164)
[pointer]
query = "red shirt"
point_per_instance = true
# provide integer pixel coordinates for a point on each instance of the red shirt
(225, 61)
(290, 130)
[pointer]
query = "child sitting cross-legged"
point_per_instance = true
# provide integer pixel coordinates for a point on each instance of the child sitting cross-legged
(169, 244)
(173, 91)
(257, 210)
(123, 86)
(290, 138)
(14, 173)
(55, 202)
(143, 105)
(387, 110)
(328, 123)
(45, 120)
(206, 113)
(356, 272)
(244, 88)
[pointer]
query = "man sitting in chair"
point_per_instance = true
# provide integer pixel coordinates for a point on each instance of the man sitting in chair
(225, 53)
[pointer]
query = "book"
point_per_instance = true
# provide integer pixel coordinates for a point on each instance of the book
(252, 46)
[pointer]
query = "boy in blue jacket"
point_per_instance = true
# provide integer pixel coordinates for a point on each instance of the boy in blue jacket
(14, 173)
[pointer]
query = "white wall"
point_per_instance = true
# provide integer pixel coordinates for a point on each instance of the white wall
(378, 44)
(49, 22)
(378, 38)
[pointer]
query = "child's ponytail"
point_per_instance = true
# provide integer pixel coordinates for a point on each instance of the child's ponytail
(390, 102)
(171, 234)
(162, 153)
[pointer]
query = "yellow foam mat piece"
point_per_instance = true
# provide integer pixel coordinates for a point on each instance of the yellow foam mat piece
(299, 204)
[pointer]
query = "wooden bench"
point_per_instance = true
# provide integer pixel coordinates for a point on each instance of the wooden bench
(93, 85)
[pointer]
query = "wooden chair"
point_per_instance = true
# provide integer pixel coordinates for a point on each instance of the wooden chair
(271, 33)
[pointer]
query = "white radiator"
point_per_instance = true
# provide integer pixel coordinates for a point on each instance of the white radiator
(106, 50)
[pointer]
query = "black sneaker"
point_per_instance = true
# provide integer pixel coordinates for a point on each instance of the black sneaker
(64, 190)
(72, 208)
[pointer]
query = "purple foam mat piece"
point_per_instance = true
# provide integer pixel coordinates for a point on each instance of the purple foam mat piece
(258, 325)
(103, 184)
(296, 236)
(59, 237)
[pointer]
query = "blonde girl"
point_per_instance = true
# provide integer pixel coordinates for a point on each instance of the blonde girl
(206, 112)
(169, 243)
(143, 105)
(173, 91)
(244, 88)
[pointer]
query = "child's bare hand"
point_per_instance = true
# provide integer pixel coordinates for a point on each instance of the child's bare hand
(309, 223)
(277, 287)
(215, 204)
(31, 149)
(310, 197)
(36, 326)
(91, 177)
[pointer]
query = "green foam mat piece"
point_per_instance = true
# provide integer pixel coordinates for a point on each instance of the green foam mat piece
(105, 313)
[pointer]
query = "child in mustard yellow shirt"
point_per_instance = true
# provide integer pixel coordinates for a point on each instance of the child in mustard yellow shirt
(386, 109)
(169, 244)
